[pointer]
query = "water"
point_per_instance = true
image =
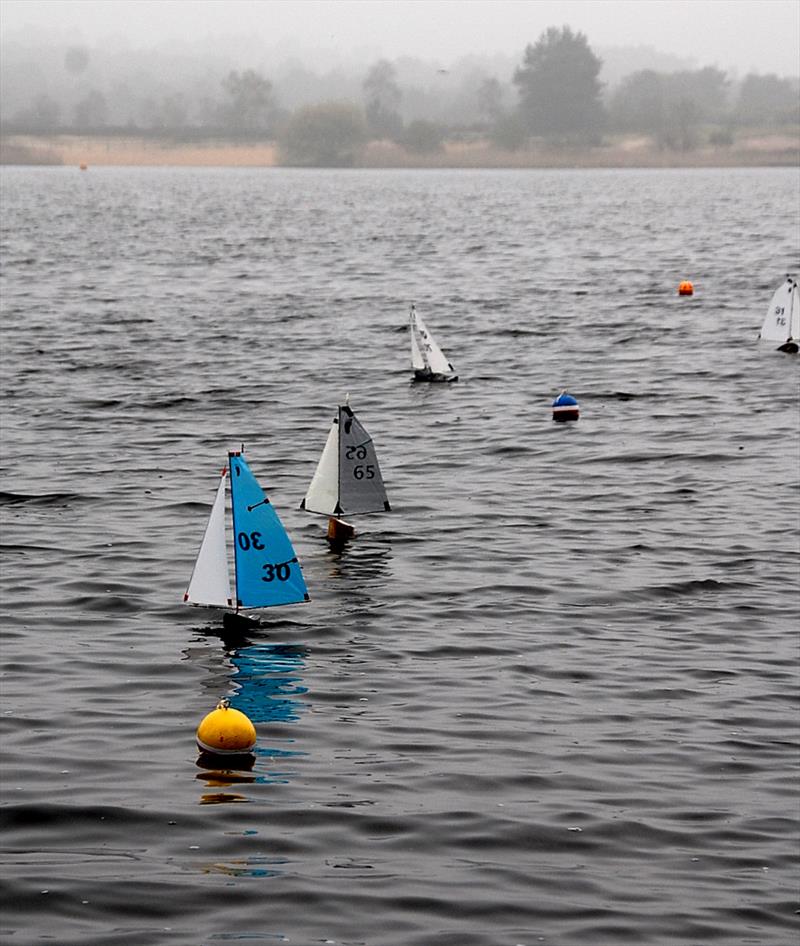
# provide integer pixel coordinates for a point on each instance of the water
(551, 698)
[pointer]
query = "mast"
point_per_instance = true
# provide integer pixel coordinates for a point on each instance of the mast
(231, 455)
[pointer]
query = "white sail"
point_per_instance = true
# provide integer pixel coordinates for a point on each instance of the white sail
(433, 357)
(322, 495)
(210, 583)
(417, 360)
(782, 321)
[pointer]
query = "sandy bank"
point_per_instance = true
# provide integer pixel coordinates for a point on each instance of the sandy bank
(772, 150)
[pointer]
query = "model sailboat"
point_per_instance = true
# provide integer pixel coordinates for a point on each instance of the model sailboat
(782, 322)
(266, 570)
(427, 359)
(348, 479)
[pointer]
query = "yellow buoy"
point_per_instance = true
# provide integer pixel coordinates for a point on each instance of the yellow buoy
(685, 288)
(226, 731)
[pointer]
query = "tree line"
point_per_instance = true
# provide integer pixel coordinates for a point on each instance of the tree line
(555, 95)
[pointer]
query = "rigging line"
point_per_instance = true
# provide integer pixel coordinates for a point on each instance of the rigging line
(264, 501)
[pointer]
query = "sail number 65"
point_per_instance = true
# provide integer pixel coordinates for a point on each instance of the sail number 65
(359, 452)
(364, 472)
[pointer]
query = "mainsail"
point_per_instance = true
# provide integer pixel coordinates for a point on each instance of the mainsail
(782, 321)
(348, 479)
(426, 356)
(361, 486)
(267, 570)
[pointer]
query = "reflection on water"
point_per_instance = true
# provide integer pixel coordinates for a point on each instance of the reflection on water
(231, 768)
(364, 560)
(220, 798)
(264, 682)
(247, 867)
(267, 681)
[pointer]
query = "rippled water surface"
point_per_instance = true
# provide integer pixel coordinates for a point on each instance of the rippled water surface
(552, 697)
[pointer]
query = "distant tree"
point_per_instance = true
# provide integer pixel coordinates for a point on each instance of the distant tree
(331, 134)
(91, 111)
(490, 100)
(639, 102)
(768, 100)
(558, 86)
(706, 89)
(679, 131)
(382, 97)
(42, 116)
(168, 113)
(509, 132)
(670, 106)
(250, 109)
(76, 59)
(423, 137)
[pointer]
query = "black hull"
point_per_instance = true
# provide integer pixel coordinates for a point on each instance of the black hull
(431, 377)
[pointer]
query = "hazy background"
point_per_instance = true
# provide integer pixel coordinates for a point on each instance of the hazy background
(735, 35)
(683, 74)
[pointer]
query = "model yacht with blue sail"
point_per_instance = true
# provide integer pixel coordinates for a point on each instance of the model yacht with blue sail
(266, 571)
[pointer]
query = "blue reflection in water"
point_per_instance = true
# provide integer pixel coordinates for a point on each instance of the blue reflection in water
(267, 682)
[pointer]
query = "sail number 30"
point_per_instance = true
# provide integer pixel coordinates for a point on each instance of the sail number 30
(252, 540)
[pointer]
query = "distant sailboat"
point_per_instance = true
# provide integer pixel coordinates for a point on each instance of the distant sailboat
(266, 570)
(348, 479)
(782, 322)
(427, 359)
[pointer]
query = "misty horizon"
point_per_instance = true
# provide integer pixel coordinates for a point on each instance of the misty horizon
(557, 85)
(736, 36)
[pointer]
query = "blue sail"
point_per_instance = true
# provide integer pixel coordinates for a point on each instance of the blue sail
(267, 570)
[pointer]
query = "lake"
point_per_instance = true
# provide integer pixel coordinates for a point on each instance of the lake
(551, 697)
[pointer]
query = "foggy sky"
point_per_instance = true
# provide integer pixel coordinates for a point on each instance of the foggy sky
(738, 36)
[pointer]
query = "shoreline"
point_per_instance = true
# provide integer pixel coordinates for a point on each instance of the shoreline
(631, 152)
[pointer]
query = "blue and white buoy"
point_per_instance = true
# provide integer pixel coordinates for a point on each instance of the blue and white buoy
(565, 407)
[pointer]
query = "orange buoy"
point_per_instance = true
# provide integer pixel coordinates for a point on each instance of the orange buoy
(685, 288)
(84, 167)
(226, 731)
